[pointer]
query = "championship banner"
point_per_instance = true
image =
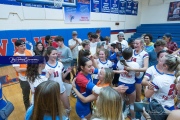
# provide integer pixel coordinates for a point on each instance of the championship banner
(115, 6)
(106, 6)
(79, 14)
(122, 7)
(96, 6)
(135, 8)
(129, 5)
(174, 11)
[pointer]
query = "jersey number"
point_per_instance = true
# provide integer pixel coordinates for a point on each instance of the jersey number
(56, 74)
(172, 88)
(134, 59)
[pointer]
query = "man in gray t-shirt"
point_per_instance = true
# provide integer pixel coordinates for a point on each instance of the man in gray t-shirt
(65, 56)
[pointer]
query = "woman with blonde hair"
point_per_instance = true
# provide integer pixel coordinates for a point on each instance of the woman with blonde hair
(109, 105)
(47, 103)
(164, 85)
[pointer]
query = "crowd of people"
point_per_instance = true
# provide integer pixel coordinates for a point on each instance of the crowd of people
(106, 76)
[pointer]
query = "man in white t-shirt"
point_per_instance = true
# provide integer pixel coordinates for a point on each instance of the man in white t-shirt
(73, 45)
(123, 42)
(93, 43)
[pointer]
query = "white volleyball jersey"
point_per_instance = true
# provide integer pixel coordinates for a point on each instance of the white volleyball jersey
(57, 75)
(107, 64)
(37, 81)
(152, 72)
(139, 58)
(130, 77)
(164, 89)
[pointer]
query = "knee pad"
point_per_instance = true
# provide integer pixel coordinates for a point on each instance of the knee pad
(131, 107)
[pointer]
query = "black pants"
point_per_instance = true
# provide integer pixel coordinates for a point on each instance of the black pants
(25, 91)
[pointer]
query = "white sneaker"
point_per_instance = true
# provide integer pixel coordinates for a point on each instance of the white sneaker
(126, 112)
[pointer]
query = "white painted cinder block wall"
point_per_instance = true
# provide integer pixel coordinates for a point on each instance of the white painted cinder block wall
(20, 17)
(155, 12)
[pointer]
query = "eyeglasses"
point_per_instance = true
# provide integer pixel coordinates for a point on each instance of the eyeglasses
(146, 38)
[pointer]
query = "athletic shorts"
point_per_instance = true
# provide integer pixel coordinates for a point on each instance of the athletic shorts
(131, 87)
(83, 109)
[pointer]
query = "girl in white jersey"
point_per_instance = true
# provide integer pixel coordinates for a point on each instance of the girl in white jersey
(102, 62)
(129, 79)
(142, 58)
(36, 74)
(154, 70)
(164, 85)
(57, 75)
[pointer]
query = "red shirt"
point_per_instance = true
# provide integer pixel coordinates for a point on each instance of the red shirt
(172, 46)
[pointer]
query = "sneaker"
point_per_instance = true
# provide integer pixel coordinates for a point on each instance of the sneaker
(126, 112)
(74, 94)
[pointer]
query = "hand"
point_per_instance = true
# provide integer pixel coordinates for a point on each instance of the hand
(91, 57)
(150, 85)
(123, 71)
(116, 50)
(122, 88)
(73, 83)
(50, 71)
(165, 48)
(69, 69)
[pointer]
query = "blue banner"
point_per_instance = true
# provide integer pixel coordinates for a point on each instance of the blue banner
(135, 8)
(10, 2)
(129, 5)
(115, 6)
(21, 59)
(96, 6)
(122, 7)
(106, 6)
(80, 14)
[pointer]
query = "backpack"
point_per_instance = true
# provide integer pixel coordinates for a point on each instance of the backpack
(156, 110)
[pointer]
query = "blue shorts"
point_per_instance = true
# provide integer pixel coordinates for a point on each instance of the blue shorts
(139, 80)
(131, 87)
(82, 109)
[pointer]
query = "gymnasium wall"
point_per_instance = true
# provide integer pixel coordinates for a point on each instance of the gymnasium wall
(155, 11)
(31, 18)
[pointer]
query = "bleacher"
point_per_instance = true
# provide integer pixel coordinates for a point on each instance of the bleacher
(158, 30)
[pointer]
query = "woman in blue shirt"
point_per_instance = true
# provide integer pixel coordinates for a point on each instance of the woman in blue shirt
(47, 103)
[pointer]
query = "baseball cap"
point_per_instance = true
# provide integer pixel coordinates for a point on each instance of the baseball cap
(121, 33)
(169, 35)
(19, 42)
(74, 32)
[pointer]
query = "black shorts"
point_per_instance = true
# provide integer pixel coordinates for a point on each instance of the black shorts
(68, 77)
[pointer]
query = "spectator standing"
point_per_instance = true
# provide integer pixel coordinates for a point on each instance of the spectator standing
(171, 46)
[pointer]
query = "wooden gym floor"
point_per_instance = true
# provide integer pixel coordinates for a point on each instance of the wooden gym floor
(14, 94)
